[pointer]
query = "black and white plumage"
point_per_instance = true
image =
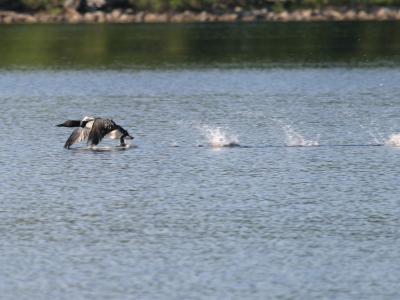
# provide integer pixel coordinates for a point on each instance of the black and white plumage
(94, 130)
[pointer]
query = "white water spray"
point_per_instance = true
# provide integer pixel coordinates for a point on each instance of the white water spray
(393, 140)
(217, 137)
(295, 139)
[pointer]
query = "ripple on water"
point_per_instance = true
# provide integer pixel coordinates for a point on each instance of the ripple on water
(170, 220)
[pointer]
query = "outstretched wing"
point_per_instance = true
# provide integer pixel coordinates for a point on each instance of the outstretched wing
(79, 134)
(100, 128)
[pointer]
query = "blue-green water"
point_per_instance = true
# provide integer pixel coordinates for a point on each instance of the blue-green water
(305, 208)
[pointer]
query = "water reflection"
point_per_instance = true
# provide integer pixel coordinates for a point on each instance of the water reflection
(153, 46)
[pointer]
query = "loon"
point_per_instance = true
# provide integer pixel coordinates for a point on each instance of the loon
(94, 130)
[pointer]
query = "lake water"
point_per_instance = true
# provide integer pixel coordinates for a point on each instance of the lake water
(306, 207)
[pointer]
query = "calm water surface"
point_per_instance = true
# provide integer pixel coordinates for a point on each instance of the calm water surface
(306, 208)
(201, 45)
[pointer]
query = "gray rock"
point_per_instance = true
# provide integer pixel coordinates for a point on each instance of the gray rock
(74, 17)
(8, 19)
(95, 4)
(228, 17)
(72, 4)
(186, 16)
(126, 18)
(116, 13)
(306, 14)
(89, 17)
(363, 16)
(332, 14)
(350, 15)
(248, 18)
(139, 18)
(156, 18)
(30, 19)
(382, 14)
(203, 17)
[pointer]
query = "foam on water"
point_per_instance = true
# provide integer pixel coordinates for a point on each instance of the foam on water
(393, 140)
(217, 137)
(295, 139)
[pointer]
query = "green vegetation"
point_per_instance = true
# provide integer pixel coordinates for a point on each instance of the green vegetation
(180, 5)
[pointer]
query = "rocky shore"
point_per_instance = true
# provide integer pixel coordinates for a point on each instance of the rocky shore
(236, 15)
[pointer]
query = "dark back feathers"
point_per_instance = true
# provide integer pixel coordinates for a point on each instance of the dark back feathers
(100, 128)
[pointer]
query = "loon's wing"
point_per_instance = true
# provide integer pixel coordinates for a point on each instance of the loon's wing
(79, 134)
(100, 128)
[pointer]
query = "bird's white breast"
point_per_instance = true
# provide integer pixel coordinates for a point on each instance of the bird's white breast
(114, 135)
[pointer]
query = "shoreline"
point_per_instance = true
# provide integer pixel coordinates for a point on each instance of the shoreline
(118, 16)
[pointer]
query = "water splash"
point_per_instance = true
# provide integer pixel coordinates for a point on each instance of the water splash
(393, 140)
(373, 133)
(106, 148)
(295, 139)
(217, 137)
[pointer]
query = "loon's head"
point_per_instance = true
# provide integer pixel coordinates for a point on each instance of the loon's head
(125, 134)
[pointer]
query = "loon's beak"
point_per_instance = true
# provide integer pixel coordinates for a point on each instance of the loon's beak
(128, 137)
(60, 125)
